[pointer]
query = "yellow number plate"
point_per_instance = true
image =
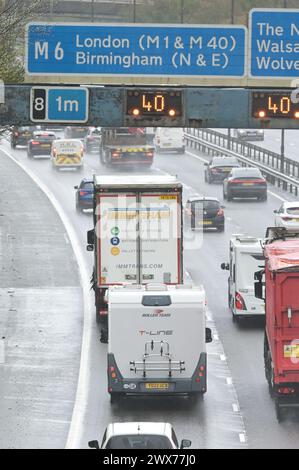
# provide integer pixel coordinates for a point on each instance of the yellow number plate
(168, 197)
(157, 386)
(247, 184)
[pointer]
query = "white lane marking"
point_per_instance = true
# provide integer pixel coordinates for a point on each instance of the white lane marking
(222, 357)
(216, 337)
(242, 438)
(80, 407)
(67, 241)
(2, 351)
(235, 402)
(197, 157)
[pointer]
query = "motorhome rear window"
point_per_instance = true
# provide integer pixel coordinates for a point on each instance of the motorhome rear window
(156, 300)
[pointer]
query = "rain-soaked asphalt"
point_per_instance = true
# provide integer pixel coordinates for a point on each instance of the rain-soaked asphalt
(41, 316)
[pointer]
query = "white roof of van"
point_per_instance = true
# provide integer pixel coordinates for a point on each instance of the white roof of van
(180, 293)
(135, 181)
(246, 242)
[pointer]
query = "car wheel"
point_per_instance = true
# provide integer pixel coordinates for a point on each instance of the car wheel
(13, 145)
(221, 228)
(29, 155)
(78, 208)
(229, 196)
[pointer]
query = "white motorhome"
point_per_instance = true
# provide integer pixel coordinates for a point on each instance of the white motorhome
(169, 139)
(157, 340)
(246, 258)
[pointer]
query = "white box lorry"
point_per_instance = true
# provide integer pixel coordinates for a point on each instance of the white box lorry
(246, 258)
(137, 236)
(157, 340)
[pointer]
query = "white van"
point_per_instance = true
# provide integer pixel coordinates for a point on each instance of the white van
(169, 139)
(246, 258)
(67, 153)
(157, 340)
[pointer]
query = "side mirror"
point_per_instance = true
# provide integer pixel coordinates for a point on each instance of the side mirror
(76, 187)
(275, 212)
(209, 337)
(206, 164)
(90, 237)
(93, 445)
(222, 207)
(185, 443)
(224, 266)
(90, 248)
(258, 290)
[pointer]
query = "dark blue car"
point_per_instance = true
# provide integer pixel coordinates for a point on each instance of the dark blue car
(84, 195)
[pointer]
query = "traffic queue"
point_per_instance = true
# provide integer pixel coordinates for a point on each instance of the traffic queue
(138, 269)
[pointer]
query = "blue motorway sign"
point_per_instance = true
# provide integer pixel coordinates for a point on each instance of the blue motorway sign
(59, 104)
(274, 43)
(136, 50)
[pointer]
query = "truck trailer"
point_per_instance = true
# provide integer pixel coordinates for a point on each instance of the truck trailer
(137, 236)
(279, 283)
(157, 340)
(123, 146)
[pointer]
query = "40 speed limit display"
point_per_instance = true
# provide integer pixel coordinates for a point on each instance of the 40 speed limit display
(59, 104)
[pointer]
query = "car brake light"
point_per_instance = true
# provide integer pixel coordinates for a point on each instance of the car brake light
(220, 213)
(239, 302)
(115, 155)
(34, 142)
(149, 154)
(16, 134)
(83, 193)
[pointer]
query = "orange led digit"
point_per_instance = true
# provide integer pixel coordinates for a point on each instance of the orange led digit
(285, 105)
(159, 103)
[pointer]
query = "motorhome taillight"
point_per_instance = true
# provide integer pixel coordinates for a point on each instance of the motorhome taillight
(239, 302)
(286, 390)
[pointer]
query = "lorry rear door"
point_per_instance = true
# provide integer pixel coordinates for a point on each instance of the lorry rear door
(160, 238)
(287, 323)
(116, 231)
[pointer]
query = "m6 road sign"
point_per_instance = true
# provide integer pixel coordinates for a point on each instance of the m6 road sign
(59, 104)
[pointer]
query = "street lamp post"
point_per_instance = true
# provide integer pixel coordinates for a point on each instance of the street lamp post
(92, 11)
(232, 19)
(282, 156)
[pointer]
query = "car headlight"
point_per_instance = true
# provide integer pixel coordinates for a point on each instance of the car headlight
(241, 131)
(260, 132)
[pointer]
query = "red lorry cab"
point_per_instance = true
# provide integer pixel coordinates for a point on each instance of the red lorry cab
(281, 349)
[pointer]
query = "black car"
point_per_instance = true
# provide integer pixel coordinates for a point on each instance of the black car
(204, 212)
(93, 139)
(84, 195)
(219, 167)
(41, 143)
(74, 132)
(245, 182)
(21, 135)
